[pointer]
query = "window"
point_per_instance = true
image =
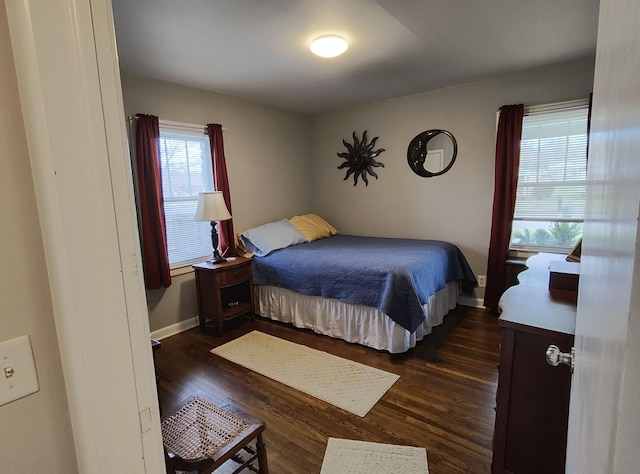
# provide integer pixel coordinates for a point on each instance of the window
(185, 162)
(550, 199)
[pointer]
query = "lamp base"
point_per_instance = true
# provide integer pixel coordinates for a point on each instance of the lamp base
(216, 260)
(216, 257)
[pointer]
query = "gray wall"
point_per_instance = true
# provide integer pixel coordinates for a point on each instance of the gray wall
(36, 430)
(455, 206)
(267, 152)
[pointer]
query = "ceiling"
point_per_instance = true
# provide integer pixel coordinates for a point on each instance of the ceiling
(259, 49)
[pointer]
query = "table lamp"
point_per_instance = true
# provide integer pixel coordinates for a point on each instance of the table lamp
(211, 207)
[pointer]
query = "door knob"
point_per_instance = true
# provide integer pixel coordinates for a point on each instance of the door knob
(555, 357)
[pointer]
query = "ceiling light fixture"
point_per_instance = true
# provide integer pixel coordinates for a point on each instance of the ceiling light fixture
(329, 46)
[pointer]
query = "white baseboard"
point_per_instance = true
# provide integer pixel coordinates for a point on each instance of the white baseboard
(176, 328)
(470, 301)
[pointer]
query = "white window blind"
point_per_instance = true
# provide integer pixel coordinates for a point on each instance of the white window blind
(550, 199)
(185, 163)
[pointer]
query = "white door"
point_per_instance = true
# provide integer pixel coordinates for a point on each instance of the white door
(604, 418)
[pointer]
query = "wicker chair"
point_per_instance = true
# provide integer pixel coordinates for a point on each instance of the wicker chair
(200, 436)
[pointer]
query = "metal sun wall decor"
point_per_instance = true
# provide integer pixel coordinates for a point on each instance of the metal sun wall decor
(361, 158)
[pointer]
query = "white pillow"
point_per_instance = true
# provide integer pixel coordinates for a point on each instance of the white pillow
(272, 236)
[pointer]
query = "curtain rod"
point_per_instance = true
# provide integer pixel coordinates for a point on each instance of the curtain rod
(566, 105)
(177, 125)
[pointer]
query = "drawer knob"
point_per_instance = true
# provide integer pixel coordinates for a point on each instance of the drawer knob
(555, 357)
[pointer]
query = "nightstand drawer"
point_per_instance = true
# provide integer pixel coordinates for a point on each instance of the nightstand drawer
(233, 276)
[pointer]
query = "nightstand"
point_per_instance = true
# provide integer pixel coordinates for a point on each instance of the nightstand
(225, 291)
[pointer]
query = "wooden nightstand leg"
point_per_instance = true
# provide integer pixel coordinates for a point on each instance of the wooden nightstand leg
(219, 326)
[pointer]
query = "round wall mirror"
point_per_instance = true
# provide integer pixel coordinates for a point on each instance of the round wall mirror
(432, 153)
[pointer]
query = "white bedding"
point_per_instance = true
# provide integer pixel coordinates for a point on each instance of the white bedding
(353, 323)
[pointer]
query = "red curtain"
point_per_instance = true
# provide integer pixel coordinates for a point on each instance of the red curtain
(221, 183)
(504, 201)
(155, 261)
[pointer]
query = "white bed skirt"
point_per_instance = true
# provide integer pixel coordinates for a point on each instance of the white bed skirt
(353, 323)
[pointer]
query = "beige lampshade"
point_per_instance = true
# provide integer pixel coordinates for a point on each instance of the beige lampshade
(211, 207)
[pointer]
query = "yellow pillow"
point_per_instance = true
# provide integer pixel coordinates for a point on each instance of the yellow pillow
(319, 221)
(312, 227)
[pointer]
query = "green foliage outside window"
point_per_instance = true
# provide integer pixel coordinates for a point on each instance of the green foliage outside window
(559, 234)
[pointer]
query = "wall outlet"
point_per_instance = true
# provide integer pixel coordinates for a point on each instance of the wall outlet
(482, 281)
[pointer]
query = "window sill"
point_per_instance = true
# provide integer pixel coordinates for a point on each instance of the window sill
(185, 267)
(182, 270)
(515, 254)
(525, 253)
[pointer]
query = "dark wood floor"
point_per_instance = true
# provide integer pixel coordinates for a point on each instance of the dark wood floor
(444, 400)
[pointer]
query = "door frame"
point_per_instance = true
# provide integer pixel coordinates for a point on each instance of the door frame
(69, 84)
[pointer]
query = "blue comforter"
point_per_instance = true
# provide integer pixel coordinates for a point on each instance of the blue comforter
(397, 276)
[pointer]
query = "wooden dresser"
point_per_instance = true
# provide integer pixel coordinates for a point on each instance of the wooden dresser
(533, 397)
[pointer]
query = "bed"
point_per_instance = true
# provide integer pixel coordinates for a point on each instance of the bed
(384, 293)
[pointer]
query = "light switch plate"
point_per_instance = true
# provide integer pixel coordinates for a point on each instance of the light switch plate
(18, 377)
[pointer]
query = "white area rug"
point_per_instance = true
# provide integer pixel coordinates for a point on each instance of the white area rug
(346, 384)
(345, 456)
